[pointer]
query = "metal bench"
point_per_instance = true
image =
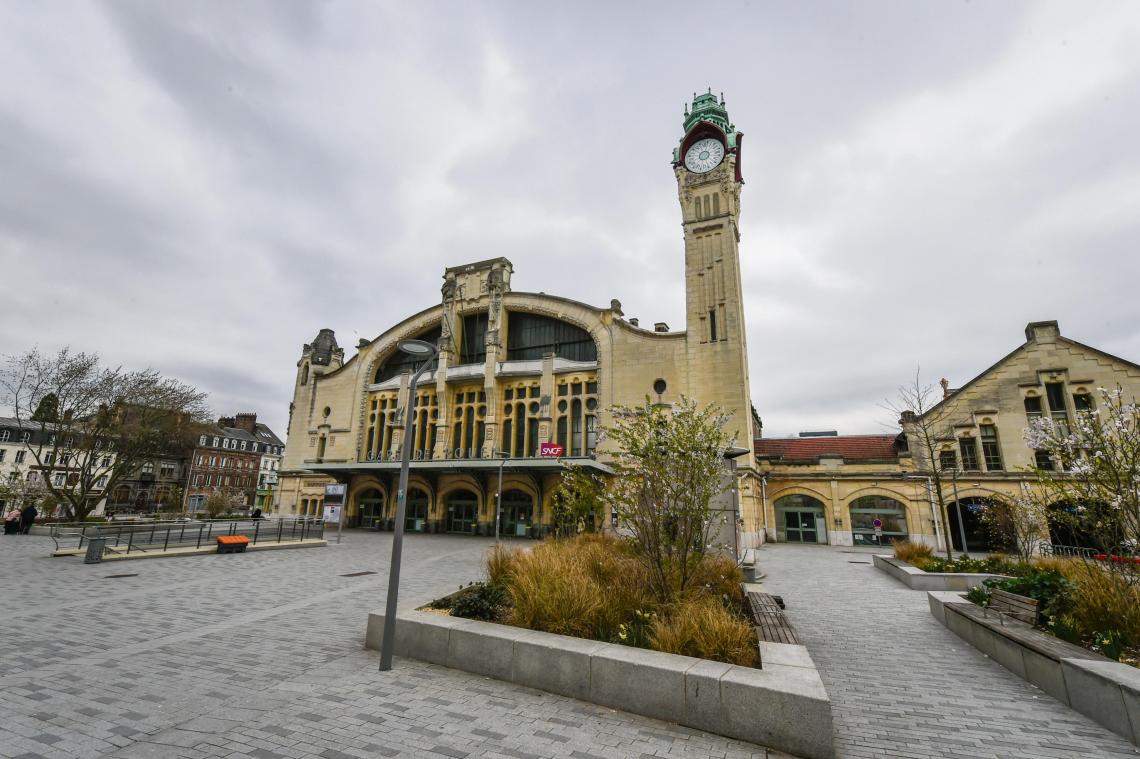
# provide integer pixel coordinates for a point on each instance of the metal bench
(1008, 604)
(772, 624)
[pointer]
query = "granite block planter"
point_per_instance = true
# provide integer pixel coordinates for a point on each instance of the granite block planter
(916, 579)
(782, 706)
(1105, 691)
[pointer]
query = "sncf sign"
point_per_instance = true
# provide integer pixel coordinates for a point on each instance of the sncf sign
(551, 449)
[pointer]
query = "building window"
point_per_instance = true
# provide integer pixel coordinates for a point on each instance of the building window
(106, 462)
(969, 448)
(202, 440)
(468, 426)
(215, 442)
(1055, 392)
(531, 336)
(1082, 402)
(947, 461)
(1043, 460)
(4, 435)
(148, 467)
(25, 437)
(991, 451)
(20, 457)
(49, 458)
(101, 482)
(712, 326)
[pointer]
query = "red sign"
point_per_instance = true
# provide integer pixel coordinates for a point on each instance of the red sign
(550, 449)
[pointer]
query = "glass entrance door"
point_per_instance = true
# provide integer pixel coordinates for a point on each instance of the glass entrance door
(461, 512)
(800, 526)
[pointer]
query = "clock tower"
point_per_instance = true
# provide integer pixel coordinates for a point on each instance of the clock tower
(707, 167)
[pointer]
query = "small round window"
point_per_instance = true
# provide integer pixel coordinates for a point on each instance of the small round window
(561, 405)
(534, 407)
(327, 411)
(659, 386)
(591, 403)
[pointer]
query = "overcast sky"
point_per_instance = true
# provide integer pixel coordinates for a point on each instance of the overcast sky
(200, 187)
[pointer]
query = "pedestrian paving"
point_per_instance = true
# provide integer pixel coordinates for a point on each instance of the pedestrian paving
(901, 684)
(260, 655)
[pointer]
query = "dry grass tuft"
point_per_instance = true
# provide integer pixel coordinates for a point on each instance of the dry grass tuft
(585, 586)
(703, 628)
(1105, 600)
(500, 563)
(912, 553)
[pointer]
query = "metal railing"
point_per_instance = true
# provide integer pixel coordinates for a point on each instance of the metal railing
(143, 537)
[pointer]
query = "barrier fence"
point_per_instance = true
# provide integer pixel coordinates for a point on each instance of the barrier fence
(128, 537)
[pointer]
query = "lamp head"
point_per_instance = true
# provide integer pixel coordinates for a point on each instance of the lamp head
(418, 348)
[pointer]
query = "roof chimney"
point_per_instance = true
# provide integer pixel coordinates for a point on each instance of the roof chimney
(1042, 332)
(247, 422)
(660, 327)
(226, 421)
(633, 321)
(945, 388)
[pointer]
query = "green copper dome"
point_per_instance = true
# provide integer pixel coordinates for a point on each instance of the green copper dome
(707, 108)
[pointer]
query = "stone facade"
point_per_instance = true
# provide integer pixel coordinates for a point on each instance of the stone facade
(519, 370)
(981, 450)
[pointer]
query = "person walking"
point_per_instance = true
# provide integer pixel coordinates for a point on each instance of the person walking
(27, 517)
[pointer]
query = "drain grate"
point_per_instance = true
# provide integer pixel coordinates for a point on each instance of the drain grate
(115, 577)
(857, 562)
(358, 574)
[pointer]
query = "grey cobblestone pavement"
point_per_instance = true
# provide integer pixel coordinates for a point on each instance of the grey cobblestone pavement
(901, 684)
(259, 655)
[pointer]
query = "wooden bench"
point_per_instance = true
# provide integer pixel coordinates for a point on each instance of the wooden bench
(232, 543)
(1009, 604)
(772, 624)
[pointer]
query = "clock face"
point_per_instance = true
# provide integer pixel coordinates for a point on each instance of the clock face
(704, 155)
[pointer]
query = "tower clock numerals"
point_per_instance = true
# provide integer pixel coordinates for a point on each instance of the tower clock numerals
(704, 155)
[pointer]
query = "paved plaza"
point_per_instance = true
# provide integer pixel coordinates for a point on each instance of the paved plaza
(260, 655)
(901, 684)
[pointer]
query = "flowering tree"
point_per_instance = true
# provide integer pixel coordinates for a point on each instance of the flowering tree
(669, 466)
(1021, 520)
(1099, 459)
(579, 499)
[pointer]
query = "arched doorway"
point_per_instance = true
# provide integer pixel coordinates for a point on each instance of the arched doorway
(370, 506)
(979, 537)
(800, 519)
(1069, 525)
(890, 513)
(415, 510)
(462, 508)
(517, 513)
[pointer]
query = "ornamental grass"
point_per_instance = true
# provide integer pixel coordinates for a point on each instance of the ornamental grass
(913, 553)
(705, 629)
(592, 586)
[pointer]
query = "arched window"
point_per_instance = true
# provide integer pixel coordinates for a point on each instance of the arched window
(716, 204)
(370, 504)
(891, 515)
(399, 361)
(696, 208)
(530, 336)
(979, 537)
(305, 374)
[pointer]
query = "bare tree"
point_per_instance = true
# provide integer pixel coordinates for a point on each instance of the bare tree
(90, 426)
(668, 467)
(926, 423)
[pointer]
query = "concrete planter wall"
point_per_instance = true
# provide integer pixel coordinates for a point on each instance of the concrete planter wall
(1106, 691)
(915, 579)
(782, 706)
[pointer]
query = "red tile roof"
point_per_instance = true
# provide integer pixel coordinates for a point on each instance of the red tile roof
(850, 447)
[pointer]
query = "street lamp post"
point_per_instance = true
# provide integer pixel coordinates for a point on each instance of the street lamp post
(506, 456)
(427, 352)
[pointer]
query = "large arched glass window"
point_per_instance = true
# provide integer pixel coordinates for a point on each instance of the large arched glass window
(399, 361)
(890, 514)
(531, 336)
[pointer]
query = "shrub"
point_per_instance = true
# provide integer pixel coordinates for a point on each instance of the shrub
(705, 629)
(912, 553)
(719, 577)
(479, 601)
(978, 595)
(1053, 592)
